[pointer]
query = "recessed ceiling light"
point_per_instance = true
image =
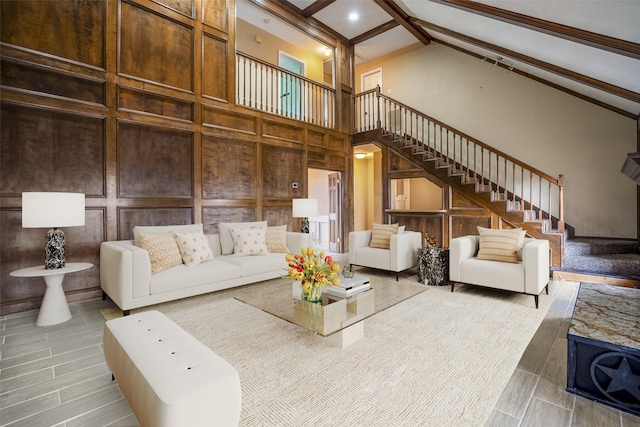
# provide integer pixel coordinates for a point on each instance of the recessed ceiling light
(353, 16)
(327, 52)
(266, 20)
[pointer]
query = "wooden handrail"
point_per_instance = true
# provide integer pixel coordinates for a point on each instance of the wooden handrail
(521, 186)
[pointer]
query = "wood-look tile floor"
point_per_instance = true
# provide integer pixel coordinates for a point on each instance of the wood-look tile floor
(57, 375)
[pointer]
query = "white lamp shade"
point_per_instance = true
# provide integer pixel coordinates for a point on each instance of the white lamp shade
(52, 210)
(305, 208)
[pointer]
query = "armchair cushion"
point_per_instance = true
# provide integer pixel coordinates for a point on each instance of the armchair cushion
(381, 234)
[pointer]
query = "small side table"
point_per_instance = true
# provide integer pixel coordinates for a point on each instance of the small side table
(433, 266)
(54, 308)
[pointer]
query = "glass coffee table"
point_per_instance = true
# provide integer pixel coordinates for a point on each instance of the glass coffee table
(341, 320)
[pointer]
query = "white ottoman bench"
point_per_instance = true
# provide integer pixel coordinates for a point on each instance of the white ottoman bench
(168, 377)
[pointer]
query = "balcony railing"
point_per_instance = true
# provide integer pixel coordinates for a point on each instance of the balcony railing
(522, 187)
(274, 90)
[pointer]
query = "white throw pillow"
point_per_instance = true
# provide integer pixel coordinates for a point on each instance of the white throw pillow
(194, 248)
(224, 230)
(249, 241)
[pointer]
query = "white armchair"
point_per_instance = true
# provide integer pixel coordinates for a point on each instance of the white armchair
(529, 276)
(401, 255)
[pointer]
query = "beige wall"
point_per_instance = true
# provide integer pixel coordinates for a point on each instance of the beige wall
(546, 128)
(425, 195)
(268, 50)
(319, 189)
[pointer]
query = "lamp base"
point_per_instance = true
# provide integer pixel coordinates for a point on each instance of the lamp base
(305, 225)
(54, 249)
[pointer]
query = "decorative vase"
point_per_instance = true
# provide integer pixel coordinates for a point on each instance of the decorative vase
(314, 294)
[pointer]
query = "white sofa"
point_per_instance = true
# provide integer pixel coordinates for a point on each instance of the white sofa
(401, 255)
(125, 270)
(529, 276)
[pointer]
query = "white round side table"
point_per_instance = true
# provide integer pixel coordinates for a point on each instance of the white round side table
(54, 308)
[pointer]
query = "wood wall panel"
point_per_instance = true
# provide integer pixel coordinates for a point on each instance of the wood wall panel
(212, 216)
(71, 29)
(397, 163)
(458, 201)
(224, 119)
(431, 225)
(465, 225)
(338, 144)
(214, 67)
(282, 131)
(280, 215)
(281, 167)
(228, 168)
(185, 7)
(215, 13)
(130, 217)
(154, 161)
(45, 80)
(136, 100)
(155, 48)
(316, 139)
(46, 150)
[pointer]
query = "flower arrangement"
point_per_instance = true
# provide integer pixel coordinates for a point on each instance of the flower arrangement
(314, 271)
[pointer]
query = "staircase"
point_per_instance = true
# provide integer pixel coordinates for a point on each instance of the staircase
(519, 194)
(597, 260)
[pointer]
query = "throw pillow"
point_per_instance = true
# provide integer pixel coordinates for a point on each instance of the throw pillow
(194, 248)
(381, 235)
(224, 230)
(276, 239)
(500, 245)
(163, 251)
(249, 241)
(161, 229)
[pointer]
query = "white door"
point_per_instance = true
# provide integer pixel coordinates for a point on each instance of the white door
(370, 112)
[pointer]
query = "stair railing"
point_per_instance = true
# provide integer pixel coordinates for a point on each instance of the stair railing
(522, 187)
(266, 87)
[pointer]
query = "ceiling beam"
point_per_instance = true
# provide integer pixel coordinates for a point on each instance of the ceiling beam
(403, 19)
(315, 7)
(599, 41)
(580, 78)
(374, 32)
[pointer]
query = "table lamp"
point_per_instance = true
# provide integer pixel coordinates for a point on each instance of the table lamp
(43, 210)
(304, 208)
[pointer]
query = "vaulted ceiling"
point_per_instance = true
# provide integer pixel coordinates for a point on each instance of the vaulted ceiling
(589, 48)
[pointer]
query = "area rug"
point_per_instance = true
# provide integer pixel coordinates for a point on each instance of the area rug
(436, 359)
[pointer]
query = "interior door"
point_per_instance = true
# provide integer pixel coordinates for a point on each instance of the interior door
(334, 213)
(370, 114)
(290, 86)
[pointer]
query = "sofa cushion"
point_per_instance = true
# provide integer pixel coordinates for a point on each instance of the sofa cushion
(381, 234)
(500, 245)
(160, 229)
(226, 242)
(257, 264)
(163, 251)
(249, 241)
(276, 239)
(194, 248)
(499, 275)
(182, 277)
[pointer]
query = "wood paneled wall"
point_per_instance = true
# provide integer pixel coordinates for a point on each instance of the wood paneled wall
(132, 103)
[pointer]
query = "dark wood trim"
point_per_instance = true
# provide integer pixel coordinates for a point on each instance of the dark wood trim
(405, 20)
(548, 83)
(563, 72)
(599, 41)
(374, 32)
(315, 7)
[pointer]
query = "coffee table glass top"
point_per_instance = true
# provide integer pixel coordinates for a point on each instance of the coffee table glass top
(276, 297)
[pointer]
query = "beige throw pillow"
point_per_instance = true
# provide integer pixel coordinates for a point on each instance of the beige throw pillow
(500, 245)
(194, 248)
(276, 239)
(381, 235)
(163, 251)
(249, 241)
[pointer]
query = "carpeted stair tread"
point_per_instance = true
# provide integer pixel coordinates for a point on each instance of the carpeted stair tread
(621, 264)
(594, 246)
